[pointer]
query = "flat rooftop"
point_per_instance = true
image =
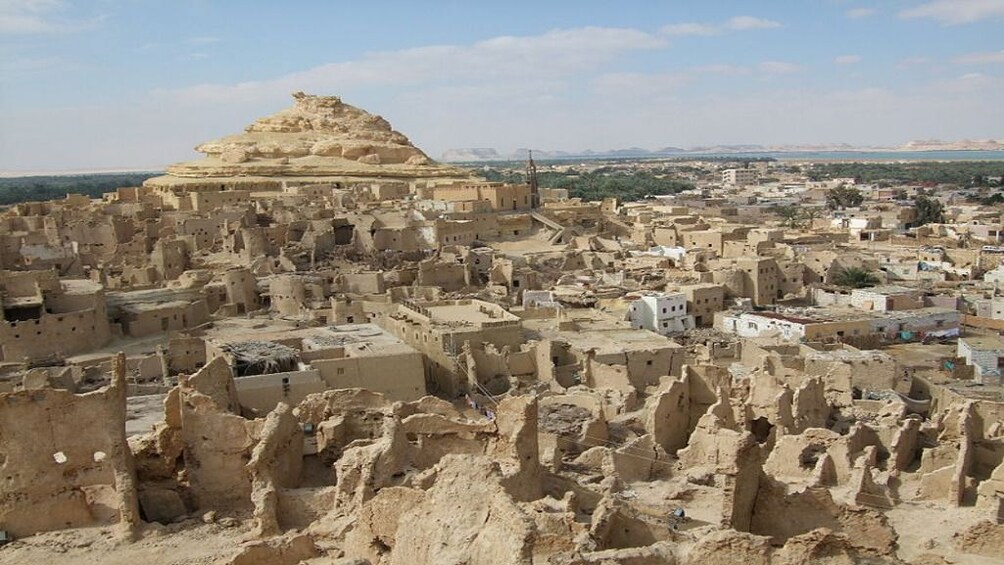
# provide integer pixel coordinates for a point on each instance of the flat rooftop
(983, 342)
(823, 315)
(463, 313)
(600, 331)
(460, 312)
(606, 341)
(888, 289)
(140, 307)
(150, 299)
(357, 339)
(80, 286)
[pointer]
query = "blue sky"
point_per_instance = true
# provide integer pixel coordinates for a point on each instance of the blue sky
(137, 83)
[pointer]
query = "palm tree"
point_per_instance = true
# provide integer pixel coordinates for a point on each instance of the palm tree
(855, 277)
(789, 215)
(809, 214)
(929, 211)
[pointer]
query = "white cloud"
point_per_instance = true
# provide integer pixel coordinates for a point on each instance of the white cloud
(690, 28)
(10, 65)
(31, 17)
(955, 12)
(910, 62)
(555, 53)
(537, 113)
(749, 22)
(640, 84)
(847, 59)
(778, 67)
(738, 23)
(966, 84)
(980, 58)
(203, 40)
(564, 89)
(721, 69)
(856, 13)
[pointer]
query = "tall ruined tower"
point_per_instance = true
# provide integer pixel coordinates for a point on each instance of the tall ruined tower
(531, 179)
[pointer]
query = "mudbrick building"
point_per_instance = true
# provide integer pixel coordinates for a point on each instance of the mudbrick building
(315, 345)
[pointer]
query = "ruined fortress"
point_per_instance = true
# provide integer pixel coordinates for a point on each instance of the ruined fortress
(318, 346)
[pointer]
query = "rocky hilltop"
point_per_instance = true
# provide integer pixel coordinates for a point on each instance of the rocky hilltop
(319, 137)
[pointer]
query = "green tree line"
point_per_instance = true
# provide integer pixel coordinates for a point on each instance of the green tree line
(961, 173)
(600, 184)
(33, 189)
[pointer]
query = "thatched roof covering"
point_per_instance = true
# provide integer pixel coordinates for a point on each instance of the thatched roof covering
(262, 357)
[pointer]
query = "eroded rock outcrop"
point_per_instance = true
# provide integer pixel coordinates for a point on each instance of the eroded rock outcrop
(319, 137)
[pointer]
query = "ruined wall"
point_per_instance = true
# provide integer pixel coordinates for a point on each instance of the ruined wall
(288, 295)
(186, 354)
(362, 283)
(866, 372)
(261, 393)
(54, 334)
(216, 445)
(170, 258)
(466, 517)
(450, 277)
(174, 316)
(241, 290)
(64, 460)
(783, 516)
(397, 376)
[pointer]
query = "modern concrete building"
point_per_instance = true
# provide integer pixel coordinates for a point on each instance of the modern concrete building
(740, 177)
(986, 355)
(841, 323)
(663, 314)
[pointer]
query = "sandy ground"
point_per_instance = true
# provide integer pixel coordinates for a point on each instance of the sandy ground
(188, 543)
(924, 529)
(131, 346)
(142, 412)
(925, 359)
(927, 528)
(657, 499)
(522, 247)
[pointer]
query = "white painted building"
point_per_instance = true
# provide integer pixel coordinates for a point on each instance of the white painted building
(675, 253)
(995, 276)
(986, 355)
(661, 313)
(885, 298)
(992, 308)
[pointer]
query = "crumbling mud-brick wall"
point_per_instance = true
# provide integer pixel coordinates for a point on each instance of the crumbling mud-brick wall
(218, 445)
(64, 460)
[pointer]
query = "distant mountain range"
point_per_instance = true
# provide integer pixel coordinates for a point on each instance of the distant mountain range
(491, 154)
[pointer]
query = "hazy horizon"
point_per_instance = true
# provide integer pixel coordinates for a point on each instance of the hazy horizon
(136, 85)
